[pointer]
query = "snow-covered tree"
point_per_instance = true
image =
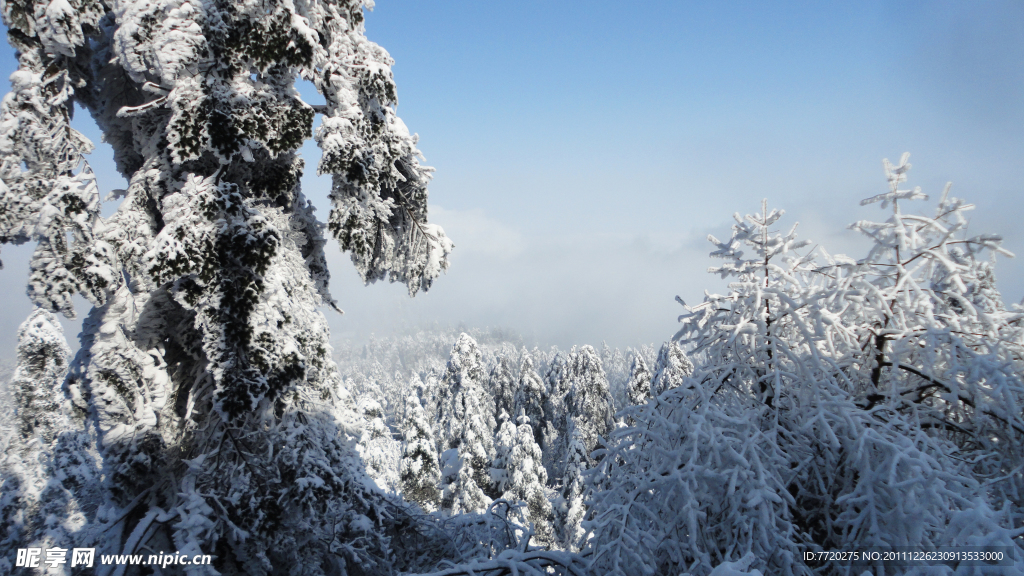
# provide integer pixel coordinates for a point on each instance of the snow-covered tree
(503, 384)
(379, 451)
(616, 364)
(205, 365)
(933, 338)
(504, 441)
(430, 396)
(589, 404)
(671, 369)
(420, 471)
(930, 305)
(787, 436)
(525, 479)
(572, 508)
(638, 386)
(49, 477)
(43, 356)
(462, 493)
(531, 394)
(558, 383)
(578, 396)
(466, 423)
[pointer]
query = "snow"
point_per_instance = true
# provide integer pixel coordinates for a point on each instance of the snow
(823, 402)
(738, 568)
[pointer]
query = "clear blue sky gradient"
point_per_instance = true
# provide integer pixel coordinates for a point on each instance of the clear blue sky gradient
(585, 150)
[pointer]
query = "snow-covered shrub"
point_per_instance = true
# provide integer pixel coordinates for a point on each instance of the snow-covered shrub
(696, 483)
(500, 535)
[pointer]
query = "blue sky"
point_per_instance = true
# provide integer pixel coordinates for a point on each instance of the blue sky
(585, 150)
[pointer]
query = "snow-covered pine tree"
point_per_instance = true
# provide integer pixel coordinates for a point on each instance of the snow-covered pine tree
(589, 404)
(461, 492)
(526, 479)
(504, 441)
(616, 365)
(638, 386)
(380, 452)
(671, 369)
(589, 416)
(48, 475)
(395, 393)
(43, 356)
(466, 424)
(205, 365)
(531, 395)
(572, 508)
(556, 378)
(430, 395)
(420, 470)
(502, 384)
(371, 383)
(558, 383)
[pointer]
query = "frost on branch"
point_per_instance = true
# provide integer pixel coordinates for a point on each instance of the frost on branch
(43, 356)
(706, 487)
(933, 336)
(379, 190)
(48, 192)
